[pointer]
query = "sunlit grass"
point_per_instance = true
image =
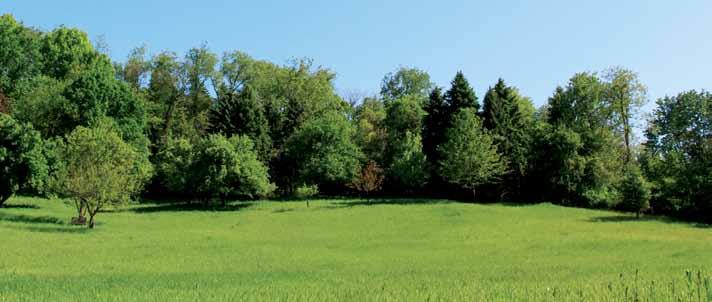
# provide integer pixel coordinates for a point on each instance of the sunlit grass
(392, 250)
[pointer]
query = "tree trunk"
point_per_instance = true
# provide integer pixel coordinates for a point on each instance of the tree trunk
(91, 220)
(474, 194)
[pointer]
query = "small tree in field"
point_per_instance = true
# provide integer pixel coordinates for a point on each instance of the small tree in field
(635, 192)
(97, 169)
(370, 180)
(469, 157)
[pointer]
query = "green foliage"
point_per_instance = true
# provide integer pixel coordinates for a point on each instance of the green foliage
(135, 70)
(22, 162)
(404, 115)
(406, 82)
(460, 96)
(66, 51)
(371, 132)
(20, 56)
(469, 155)
(225, 167)
(306, 192)
(635, 191)
(626, 96)
(409, 167)
(98, 169)
(678, 155)
(582, 153)
(323, 152)
(39, 101)
(510, 128)
(242, 114)
(434, 126)
(174, 164)
(97, 94)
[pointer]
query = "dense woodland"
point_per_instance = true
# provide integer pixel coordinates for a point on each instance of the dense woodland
(203, 127)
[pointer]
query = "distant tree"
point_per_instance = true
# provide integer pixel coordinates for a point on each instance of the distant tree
(404, 115)
(371, 132)
(198, 71)
(404, 123)
(435, 124)
(136, 69)
(626, 95)
(510, 128)
(22, 162)
(96, 94)
(460, 96)
(406, 82)
(370, 180)
(678, 155)
(242, 114)
(635, 191)
(174, 164)
(225, 167)
(581, 107)
(409, 168)
(469, 155)
(323, 153)
(66, 51)
(98, 169)
(20, 57)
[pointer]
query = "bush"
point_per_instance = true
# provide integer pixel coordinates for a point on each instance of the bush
(225, 167)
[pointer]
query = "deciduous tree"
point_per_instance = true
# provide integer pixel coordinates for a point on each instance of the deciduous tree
(469, 155)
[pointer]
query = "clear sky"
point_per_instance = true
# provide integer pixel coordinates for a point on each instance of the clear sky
(534, 45)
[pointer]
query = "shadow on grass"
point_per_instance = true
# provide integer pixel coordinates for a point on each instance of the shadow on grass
(53, 229)
(632, 218)
(381, 201)
(190, 207)
(19, 206)
(31, 219)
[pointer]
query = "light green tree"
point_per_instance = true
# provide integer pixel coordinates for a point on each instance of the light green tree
(225, 167)
(323, 153)
(469, 157)
(97, 169)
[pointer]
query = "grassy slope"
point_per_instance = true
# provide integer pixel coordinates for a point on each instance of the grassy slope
(340, 250)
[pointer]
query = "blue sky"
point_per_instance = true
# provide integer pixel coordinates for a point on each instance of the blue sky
(534, 45)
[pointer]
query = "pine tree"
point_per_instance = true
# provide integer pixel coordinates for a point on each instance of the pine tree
(460, 96)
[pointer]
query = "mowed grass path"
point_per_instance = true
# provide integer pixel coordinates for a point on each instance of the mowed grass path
(402, 250)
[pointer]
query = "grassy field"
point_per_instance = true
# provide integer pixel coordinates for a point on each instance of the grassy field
(398, 250)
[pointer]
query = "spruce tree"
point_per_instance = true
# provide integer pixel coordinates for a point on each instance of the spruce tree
(509, 128)
(436, 124)
(242, 114)
(460, 96)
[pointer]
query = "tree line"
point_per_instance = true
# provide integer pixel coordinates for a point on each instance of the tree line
(206, 127)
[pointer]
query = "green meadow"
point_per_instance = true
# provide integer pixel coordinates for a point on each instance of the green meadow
(349, 250)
